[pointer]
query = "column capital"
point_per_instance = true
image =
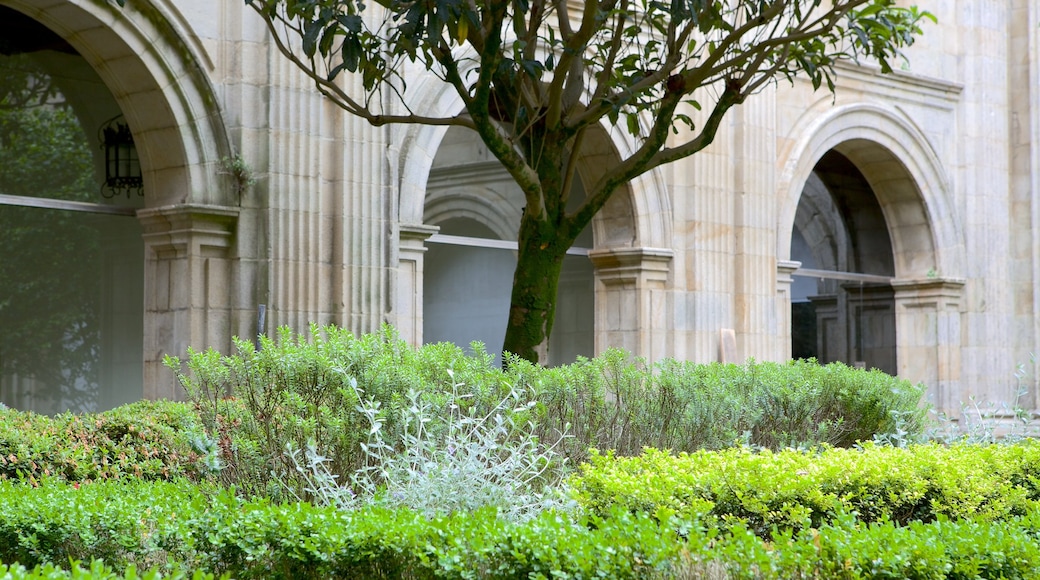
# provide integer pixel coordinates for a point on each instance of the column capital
(184, 228)
(420, 232)
(629, 265)
(929, 290)
(785, 269)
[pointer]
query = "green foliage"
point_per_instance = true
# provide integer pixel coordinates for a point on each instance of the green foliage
(988, 422)
(174, 528)
(459, 463)
(122, 522)
(148, 439)
(799, 490)
(615, 403)
(241, 174)
(634, 58)
(301, 389)
(96, 571)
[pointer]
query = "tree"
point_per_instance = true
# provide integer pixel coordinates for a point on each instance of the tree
(536, 76)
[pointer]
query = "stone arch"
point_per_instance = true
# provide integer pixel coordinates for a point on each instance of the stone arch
(915, 198)
(631, 233)
(480, 204)
(157, 81)
(145, 55)
(638, 217)
(902, 169)
(816, 217)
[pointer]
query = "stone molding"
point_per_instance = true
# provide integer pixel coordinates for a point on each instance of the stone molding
(630, 265)
(929, 291)
(408, 303)
(181, 229)
(413, 237)
(785, 269)
(910, 87)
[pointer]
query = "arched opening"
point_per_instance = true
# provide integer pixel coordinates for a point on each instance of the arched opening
(842, 301)
(72, 258)
(469, 262)
(927, 245)
(629, 240)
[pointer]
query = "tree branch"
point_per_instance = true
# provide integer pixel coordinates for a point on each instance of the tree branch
(340, 98)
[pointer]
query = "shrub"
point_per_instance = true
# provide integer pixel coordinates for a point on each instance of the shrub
(623, 405)
(188, 528)
(148, 439)
(96, 571)
(469, 463)
(298, 389)
(798, 490)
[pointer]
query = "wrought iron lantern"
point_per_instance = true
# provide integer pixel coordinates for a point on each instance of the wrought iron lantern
(122, 166)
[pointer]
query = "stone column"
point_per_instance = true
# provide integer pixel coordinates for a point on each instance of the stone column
(928, 337)
(188, 286)
(784, 270)
(411, 250)
(631, 307)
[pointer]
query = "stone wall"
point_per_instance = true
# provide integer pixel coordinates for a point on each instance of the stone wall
(334, 230)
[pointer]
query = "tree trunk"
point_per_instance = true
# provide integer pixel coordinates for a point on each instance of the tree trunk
(532, 306)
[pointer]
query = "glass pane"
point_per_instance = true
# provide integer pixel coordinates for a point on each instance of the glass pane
(53, 106)
(71, 284)
(466, 295)
(466, 298)
(71, 310)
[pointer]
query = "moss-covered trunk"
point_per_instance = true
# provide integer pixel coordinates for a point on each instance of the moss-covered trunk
(532, 306)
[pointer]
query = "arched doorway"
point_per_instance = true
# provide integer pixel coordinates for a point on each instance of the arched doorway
(469, 262)
(910, 186)
(628, 246)
(72, 258)
(156, 76)
(842, 302)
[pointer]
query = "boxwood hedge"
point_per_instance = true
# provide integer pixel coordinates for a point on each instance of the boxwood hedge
(147, 439)
(791, 489)
(975, 516)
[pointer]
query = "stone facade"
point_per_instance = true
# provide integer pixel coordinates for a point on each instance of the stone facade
(900, 214)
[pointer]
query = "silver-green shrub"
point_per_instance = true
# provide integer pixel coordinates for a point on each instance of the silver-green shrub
(447, 462)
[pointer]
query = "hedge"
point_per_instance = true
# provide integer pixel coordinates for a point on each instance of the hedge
(147, 439)
(792, 489)
(174, 527)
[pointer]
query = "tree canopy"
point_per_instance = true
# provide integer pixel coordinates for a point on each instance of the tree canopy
(534, 77)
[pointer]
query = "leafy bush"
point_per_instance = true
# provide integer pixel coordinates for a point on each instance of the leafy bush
(623, 405)
(299, 389)
(798, 490)
(170, 528)
(471, 462)
(148, 439)
(96, 571)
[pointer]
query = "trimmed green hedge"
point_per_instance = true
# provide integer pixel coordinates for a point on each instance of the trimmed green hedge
(97, 570)
(171, 527)
(801, 490)
(147, 439)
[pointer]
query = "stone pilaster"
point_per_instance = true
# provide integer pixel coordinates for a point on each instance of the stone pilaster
(784, 271)
(188, 286)
(928, 337)
(631, 305)
(411, 251)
